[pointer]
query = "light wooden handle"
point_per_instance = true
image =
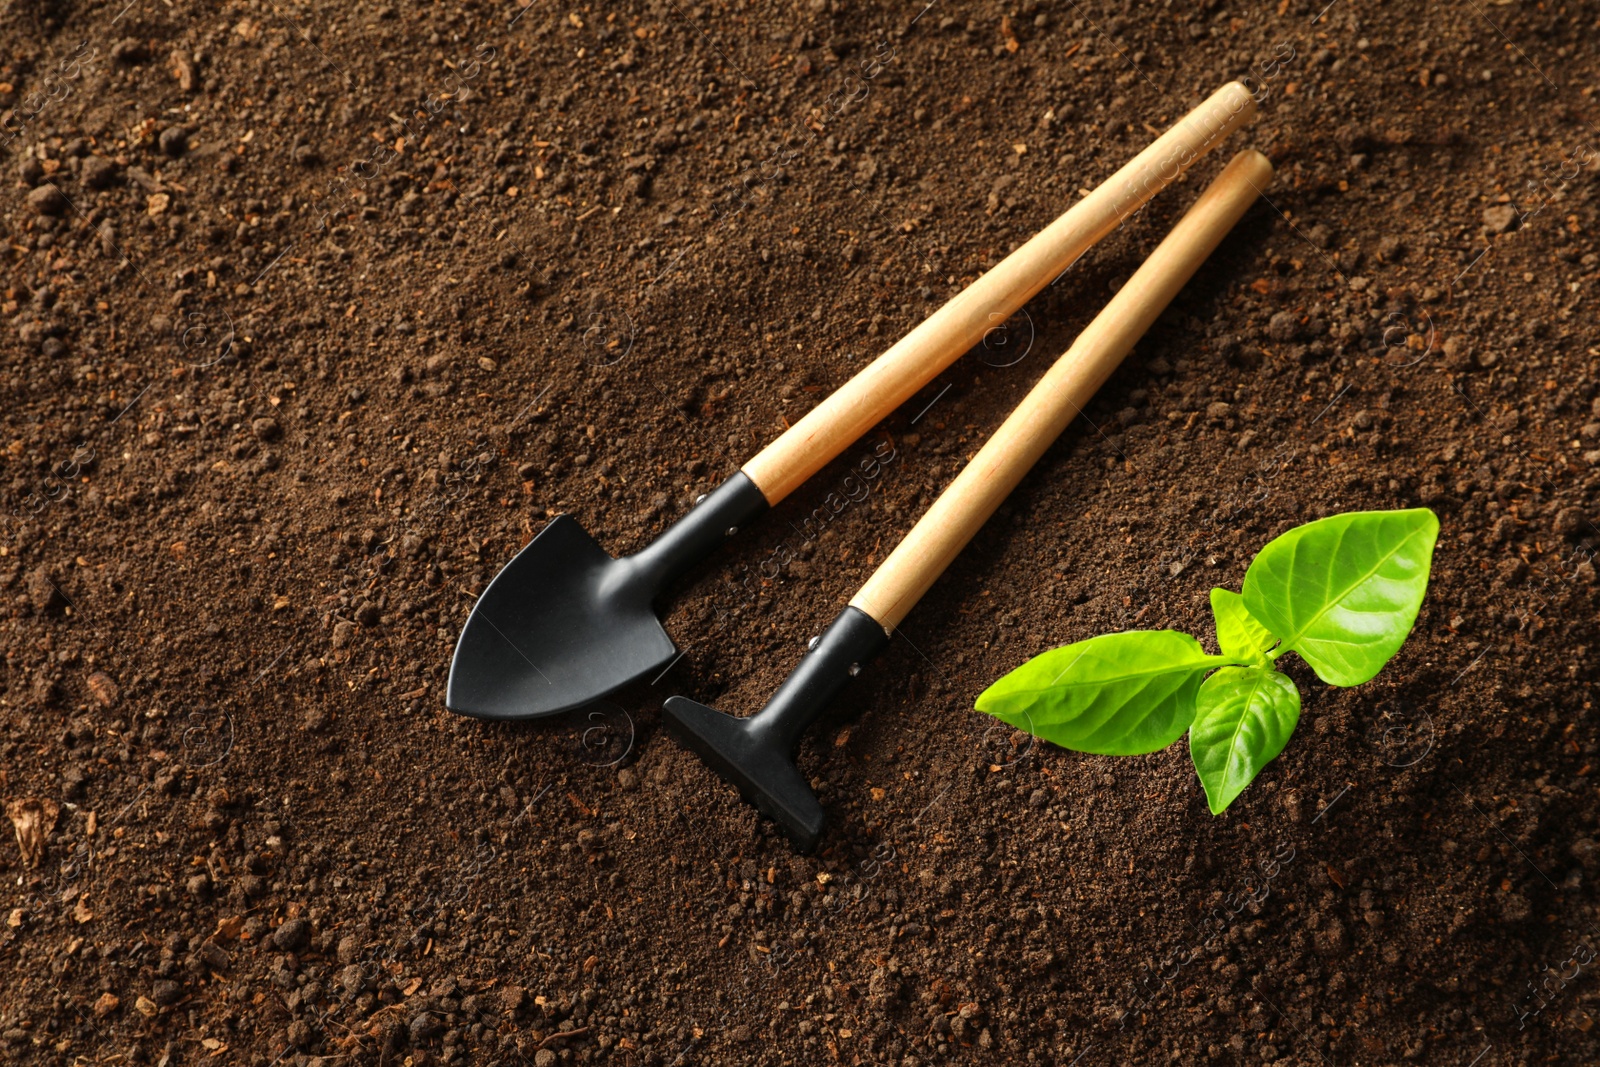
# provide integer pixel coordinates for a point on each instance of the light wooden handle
(897, 585)
(894, 377)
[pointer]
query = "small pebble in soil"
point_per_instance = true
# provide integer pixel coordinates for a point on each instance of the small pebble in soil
(97, 172)
(300, 1033)
(47, 200)
(103, 688)
(1570, 521)
(42, 591)
(423, 1025)
(1499, 218)
(129, 51)
(293, 935)
(1284, 326)
(174, 141)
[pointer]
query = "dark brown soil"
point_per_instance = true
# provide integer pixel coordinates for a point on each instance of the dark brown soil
(282, 393)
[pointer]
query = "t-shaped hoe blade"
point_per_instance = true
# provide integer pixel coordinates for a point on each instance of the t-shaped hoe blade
(757, 754)
(565, 624)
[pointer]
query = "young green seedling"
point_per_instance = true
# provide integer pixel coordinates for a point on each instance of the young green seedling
(1342, 592)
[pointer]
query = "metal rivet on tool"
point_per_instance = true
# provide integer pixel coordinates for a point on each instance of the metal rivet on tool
(855, 669)
(812, 643)
(732, 530)
(700, 499)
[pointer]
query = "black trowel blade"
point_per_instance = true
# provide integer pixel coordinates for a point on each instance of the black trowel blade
(563, 624)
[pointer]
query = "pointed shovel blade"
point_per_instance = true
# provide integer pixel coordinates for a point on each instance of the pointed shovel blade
(563, 624)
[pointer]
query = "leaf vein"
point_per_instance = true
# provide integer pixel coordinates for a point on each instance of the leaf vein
(1333, 601)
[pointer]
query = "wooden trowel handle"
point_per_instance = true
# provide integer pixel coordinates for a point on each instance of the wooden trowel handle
(1059, 396)
(894, 377)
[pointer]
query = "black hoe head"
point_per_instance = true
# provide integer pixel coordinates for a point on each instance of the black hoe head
(757, 754)
(563, 624)
(761, 768)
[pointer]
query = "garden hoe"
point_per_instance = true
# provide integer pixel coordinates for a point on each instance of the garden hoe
(564, 623)
(757, 753)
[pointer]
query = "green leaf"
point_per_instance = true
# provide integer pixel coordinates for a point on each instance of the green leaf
(1243, 718)
(1343, 591)
(1240, 634)
(1120, 694)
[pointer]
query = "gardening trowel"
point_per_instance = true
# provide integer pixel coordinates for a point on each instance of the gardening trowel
(757, 753)
(564, 623)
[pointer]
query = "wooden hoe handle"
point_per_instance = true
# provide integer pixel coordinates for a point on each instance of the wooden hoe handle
(894, 377)
(897, 585)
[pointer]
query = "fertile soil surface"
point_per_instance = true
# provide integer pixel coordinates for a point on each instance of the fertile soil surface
(315, 313)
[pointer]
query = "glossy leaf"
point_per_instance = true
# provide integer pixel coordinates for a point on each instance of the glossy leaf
(1240, 634)
(1344, 591)
(1243, 718)
(1119, 694)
